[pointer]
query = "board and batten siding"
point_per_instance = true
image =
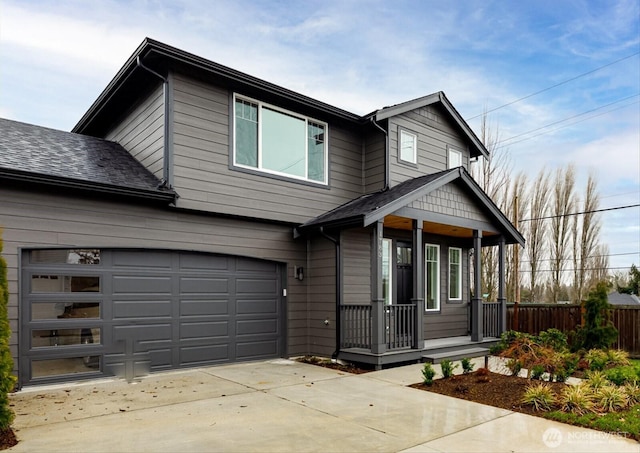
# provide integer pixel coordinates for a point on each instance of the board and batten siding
(205, 181)
(141, 132)
(453, 318)
(435, 134)
(31, 220)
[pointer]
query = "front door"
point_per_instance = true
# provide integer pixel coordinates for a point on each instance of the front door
(404, 274)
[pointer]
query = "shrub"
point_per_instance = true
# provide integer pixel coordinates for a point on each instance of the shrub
(467, 365)
(598, 330)
(554, 339)
(621, 375)
(561, 375)
(617, 357)
(577, 399)
(537, 371)
(514, 366)
(633, 392)
(7, 379)
(611, 398)
(596, 380)
(507, 339)
(447, 367)
(540, 396)
(597, 359)
(428, 373)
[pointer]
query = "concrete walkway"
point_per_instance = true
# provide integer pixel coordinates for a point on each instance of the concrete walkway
(281, 406)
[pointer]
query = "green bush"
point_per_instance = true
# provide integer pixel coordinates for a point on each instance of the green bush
(467, 365)
(537, 371)
(598, 330)
(447, 367)
(555, 339)
(7, 379)
(428, 373)
(506, 339)
(540, 396)
(622, 374)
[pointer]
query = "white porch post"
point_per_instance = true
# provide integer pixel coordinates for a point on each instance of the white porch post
(502, 285)
(418, 284)
(476, 302)
(378, 327)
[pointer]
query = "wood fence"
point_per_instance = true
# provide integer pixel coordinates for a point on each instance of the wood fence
(534, 318)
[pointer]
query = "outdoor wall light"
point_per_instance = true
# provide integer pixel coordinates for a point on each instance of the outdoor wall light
(299, 272)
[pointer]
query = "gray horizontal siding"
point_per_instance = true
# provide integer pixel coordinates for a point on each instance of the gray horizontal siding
(435, 133)
(205, 182)
(374, 161)
(48, 220)
(141, 132)
(356, 265)
(321, 280)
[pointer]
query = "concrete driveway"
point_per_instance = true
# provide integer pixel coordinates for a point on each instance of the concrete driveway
(281, 406)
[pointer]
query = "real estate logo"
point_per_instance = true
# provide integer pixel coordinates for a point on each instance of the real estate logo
(552, 437)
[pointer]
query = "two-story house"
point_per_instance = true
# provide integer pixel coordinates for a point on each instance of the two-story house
(197, 215)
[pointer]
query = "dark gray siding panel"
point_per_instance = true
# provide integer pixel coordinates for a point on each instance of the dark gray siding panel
(47, 220)
(356, 262)
(435, 133)
(374, 160)
(321, 278)
(204, 180)
(141, 132)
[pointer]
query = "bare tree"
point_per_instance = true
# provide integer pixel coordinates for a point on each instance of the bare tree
(562, 205)
(537, 229)
(585, 232)
(493, 176)
(518, 201)
(599, 265)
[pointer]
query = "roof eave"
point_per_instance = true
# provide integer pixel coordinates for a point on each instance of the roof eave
(94, 187)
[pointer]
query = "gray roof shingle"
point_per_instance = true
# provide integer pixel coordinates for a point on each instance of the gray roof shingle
(36, 150)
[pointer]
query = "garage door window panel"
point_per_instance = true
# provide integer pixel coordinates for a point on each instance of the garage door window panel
(66, 256)
(78, 336)
(64, 310)
(64, 284)
(68, 366)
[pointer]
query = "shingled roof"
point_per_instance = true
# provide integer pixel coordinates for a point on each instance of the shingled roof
(39, 154)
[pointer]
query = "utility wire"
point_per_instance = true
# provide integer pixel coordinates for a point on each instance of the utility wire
(573, 270)
(581, 213)
(592, 256)
(554, 86)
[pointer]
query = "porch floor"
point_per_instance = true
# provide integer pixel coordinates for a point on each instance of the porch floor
(433, 351)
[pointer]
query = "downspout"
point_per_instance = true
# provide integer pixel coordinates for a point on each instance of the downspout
(338, 290)
(168, 156)
(386, 153)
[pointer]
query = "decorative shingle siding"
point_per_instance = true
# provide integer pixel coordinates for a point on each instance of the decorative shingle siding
(450, 200)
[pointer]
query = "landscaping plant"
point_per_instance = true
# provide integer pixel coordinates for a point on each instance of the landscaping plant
(577, 399)
(598, 330)
(596, 380)
(7, 379)
(447, 367)
(611, 398)
(540, 396)
(428, 373)
(467, 365)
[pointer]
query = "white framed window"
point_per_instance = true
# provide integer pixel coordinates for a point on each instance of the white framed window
(432, 277)
(387, 271)
(455, 273)
(454, 158)
(408, 147)
(279, 142)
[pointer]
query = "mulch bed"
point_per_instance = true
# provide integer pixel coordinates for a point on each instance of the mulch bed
(7, 438)
(493, 389)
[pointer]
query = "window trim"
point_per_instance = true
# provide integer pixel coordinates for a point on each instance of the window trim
(450, 150)
(402, 131)
(259, 170)
(426, 279)
(459, 264)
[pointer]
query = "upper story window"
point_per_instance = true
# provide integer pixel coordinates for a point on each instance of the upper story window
(454, 158)
(408, 146)
(280, 142)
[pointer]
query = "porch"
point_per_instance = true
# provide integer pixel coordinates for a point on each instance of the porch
(398, 337)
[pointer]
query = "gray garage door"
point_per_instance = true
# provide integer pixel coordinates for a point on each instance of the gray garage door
(126, 312)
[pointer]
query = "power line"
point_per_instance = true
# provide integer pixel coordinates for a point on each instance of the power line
(581, 213)
(573, 270)
(569, 118)
(554, 86)
(591, 256)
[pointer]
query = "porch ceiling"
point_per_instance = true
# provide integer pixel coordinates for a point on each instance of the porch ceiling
(404, 223)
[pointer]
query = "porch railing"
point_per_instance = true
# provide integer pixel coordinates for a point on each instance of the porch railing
(357, 324)
(491, 319)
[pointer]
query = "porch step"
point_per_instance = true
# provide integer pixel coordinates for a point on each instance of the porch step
(455, 354)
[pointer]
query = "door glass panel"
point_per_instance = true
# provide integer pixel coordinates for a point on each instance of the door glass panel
(66, 256)
(41, 338)
(71, 365)
(387, 273)
(64, 284)
(60, 310)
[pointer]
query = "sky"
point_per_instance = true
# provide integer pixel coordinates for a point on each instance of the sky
(571, 66)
